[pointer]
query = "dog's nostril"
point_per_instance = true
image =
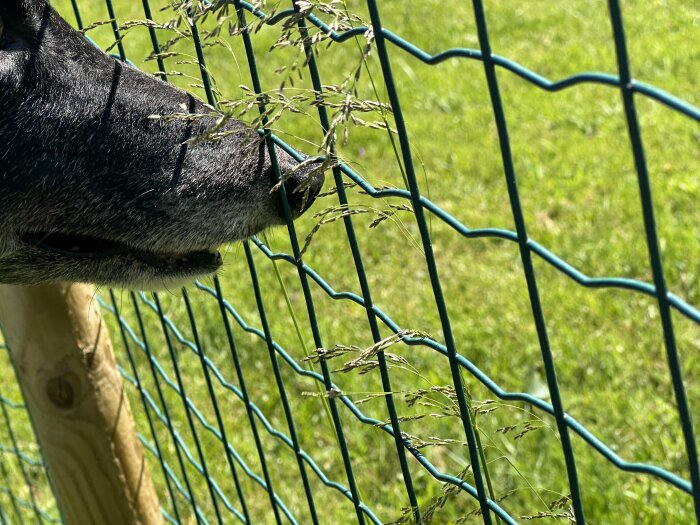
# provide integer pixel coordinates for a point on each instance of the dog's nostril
(302, 189)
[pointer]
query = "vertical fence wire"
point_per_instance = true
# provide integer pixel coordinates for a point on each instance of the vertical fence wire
(526, 258)
(187, 409)
(115, 28)
(261, 309)
(464, 410)
(215, 404)
(654, 251)
(20, 462)
(154, 40)
(250, 55)
(7, 490)
(144, 404)
(76, 12)
(164, 407)
(361, 274)
(279, 382)
(246, 400)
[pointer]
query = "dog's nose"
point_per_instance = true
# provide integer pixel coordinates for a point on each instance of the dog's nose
(302, 188)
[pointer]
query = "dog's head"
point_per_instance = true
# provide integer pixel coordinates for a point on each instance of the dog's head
(94, 188)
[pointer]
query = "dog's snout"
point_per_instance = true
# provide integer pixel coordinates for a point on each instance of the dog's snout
(302, 187)
(201, 180)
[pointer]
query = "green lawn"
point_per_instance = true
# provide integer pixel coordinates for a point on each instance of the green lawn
(580, 197)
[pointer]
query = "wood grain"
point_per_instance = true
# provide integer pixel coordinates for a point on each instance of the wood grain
(75, 396)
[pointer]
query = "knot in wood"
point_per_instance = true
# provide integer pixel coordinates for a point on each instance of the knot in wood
(61, 391)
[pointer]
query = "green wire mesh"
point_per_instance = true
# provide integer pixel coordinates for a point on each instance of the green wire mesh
(188, 441)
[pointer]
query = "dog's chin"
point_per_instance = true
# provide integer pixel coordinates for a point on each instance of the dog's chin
(149, 270)
(42, 258)
(134, 269)
(79, 258)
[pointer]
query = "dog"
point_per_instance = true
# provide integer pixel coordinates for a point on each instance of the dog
(93, 188)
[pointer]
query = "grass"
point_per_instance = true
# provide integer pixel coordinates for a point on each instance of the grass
(580, 197)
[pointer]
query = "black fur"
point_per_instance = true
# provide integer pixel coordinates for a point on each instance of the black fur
(92, 189)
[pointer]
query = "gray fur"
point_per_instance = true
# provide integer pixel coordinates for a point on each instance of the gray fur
(81, 163)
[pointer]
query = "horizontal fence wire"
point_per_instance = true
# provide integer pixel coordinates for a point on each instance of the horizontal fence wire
(187, 439)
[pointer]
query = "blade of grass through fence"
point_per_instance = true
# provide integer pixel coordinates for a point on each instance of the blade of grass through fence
(382, 112)
(297, 329)
(480, 447)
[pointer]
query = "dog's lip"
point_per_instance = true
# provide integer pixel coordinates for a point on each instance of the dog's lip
(87, 247)
(75, 246)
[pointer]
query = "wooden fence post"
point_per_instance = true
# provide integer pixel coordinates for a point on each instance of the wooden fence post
(75, 396)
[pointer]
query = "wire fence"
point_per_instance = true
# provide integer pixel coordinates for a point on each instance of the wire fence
(208, 472)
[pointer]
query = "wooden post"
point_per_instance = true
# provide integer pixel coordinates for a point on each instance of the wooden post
(75, 396)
